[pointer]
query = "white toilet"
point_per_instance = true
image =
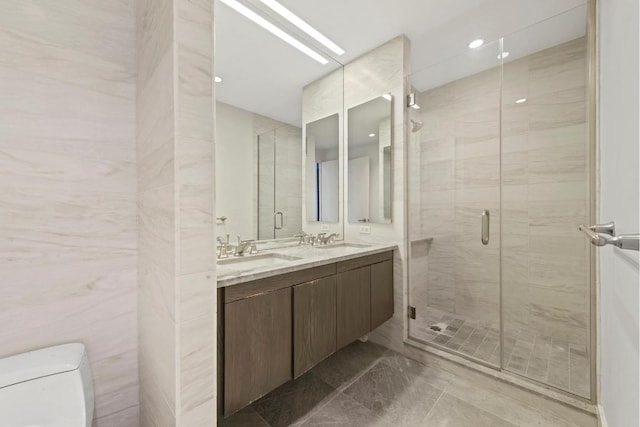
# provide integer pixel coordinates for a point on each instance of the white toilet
(51, 387)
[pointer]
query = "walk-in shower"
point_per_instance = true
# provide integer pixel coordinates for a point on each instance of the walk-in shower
(499, 181)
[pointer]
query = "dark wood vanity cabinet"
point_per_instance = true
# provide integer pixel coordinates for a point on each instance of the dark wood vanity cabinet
(381, 293)
(257, 347)
(354, 305)
(314, 323)
(277, 328)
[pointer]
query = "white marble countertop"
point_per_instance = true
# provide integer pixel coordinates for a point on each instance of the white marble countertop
(235, 270)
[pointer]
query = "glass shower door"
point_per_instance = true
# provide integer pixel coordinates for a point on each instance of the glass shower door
(454, 225)
(545, 197)
(279, 183)
(288, 182)
(266, 185)
(504, 130)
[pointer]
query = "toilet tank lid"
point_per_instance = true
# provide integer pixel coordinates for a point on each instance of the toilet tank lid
(40, 363)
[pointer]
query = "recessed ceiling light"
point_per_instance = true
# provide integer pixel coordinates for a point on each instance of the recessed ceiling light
(415, 106)
(372, 135)
(521, 100)
(387, 96)
(298, 22)
(476, 43)
(248, 13)
(503, 55)
(217, 79)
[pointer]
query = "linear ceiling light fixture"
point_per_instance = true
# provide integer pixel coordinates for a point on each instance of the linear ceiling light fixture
(300, 23)
(248, 13)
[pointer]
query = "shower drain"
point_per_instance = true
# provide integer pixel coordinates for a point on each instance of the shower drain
(438, 327)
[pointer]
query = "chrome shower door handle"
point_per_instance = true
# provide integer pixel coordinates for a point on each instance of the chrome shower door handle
(484, 232)
(275, 222)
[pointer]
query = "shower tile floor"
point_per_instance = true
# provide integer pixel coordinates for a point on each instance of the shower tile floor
(367, 385)
(559, 363)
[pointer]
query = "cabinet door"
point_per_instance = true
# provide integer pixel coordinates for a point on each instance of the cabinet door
(257, 347)
(381, 293)
(354, 305)
(314, 323)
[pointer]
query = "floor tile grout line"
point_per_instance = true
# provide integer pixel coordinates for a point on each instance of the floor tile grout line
(317, 408)
(340, 390)
(387, 351)
(442, 392)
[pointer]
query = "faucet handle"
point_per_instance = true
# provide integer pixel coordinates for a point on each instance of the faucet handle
(223, 251)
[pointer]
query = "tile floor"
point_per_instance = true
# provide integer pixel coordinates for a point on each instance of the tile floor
(542, 358)
(368, 385)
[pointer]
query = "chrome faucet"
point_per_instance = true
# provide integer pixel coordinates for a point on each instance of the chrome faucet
(303, 238)
(329, 239)
(243, 245)
(224, 247)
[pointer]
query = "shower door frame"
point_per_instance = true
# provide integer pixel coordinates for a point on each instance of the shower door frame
(592, 114)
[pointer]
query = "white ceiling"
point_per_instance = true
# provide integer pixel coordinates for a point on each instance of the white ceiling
(551, 32)
(265, 75)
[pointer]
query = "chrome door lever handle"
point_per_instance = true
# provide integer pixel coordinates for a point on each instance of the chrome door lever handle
(599, 236)
(608, 228)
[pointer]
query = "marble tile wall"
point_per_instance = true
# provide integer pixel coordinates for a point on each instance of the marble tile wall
(68, 179)
(177, 307)
(385, 70)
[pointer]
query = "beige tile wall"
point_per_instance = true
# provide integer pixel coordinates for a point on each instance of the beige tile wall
(385, 70)
(68, 185)
(176, 230)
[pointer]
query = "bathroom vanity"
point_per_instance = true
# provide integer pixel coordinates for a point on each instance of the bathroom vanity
(281, 318)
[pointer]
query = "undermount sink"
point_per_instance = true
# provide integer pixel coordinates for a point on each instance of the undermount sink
(345, 245)
(257, 261)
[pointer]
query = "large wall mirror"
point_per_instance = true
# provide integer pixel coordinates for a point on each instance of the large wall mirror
(369, 143)
(322, 152)
(260, 163)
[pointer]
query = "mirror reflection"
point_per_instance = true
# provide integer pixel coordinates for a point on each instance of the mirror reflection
(323, 170)
(279, 182)
(259, 145)
(369, 161)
